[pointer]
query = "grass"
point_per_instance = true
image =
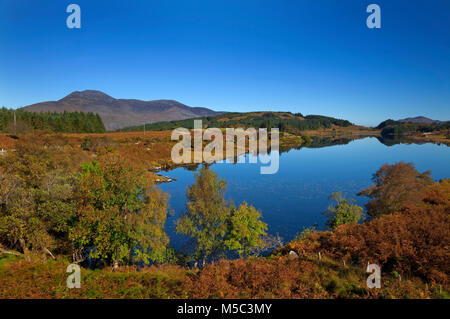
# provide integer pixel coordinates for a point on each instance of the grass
(6, 259)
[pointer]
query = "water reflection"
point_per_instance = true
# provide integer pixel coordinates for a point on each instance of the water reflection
(296, 196)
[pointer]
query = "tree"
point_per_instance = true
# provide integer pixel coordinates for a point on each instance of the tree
(343, 212)
(282, 126)
(216, 225)
(18, 127)
(438, 194)
(246, 230)
(36, 195)
(21, 122)
(414, 241)
(396, 186)
(304, 234)
(207, 215)
(307, 139)
(121, 215)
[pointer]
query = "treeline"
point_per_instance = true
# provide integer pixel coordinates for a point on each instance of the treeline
(66, 122)
(285, 121)
(397, 129)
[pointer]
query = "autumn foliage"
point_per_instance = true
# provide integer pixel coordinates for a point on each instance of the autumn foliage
(394, 187)
(60, 199)
(414, 241)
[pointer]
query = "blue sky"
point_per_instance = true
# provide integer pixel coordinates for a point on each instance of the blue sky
(311, 56)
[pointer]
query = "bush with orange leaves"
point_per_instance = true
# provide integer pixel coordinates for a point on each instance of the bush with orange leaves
(256, 278)
(414, 241)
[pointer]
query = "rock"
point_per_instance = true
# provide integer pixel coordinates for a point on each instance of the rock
(293, 255)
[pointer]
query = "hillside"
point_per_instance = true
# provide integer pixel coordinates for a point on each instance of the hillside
(420, 120)
(401, 128)
(285, 121)
(119, 113)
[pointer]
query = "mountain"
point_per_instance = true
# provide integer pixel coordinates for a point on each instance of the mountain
(420, 120)
(120, 113)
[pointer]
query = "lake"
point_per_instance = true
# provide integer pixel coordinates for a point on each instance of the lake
(296, 196)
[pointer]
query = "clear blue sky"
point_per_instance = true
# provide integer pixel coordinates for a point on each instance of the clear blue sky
(309, 56)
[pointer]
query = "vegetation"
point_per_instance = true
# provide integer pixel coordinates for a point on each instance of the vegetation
(96, 144)
(306, 232)
(52, 203)
(207, 215)
(66, 122)
(391, 128)
(344, 212)
(246, 230)
(306, 139)
(412, 241)
(395, 186)
(285, 121)
(216, 225)
(37, 194)
(120, 217)
(58, 206)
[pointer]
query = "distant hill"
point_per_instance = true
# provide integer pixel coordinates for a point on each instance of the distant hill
(420, 120)
(120, 113)
(404, 127)
(285, 121)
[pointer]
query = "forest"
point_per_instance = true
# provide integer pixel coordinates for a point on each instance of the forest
(66, 122)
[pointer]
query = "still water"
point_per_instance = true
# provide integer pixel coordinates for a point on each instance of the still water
(297, 194)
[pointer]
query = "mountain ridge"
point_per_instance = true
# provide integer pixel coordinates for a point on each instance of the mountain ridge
(419, 120)
(120, 113)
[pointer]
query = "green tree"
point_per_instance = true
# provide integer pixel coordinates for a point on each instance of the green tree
(121, 215)
(246, 230)
(343, 212)
(207, 215)
(75, 122)
(306, 139)
(304, 234)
